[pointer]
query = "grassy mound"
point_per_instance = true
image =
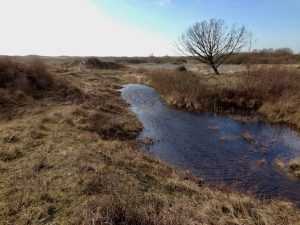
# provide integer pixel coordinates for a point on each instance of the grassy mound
(28, 78)
(33, 79)
(26, 84)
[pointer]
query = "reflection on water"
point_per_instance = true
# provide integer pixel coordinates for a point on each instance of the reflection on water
(213, 147)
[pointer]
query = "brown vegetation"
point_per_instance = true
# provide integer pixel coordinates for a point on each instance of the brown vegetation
(289, 166)
(24, 83)
(66, 162)
(272, 91)
(149, 59)
(248, 137)
(95, 63)
(294, 167)
(265, 56)
(28, 78)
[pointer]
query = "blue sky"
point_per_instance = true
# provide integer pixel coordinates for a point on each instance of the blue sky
(274, 23)
(135, 27)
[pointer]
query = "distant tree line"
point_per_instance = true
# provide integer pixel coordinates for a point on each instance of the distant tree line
(265, 56)
(278, 51)
(262, 56)
(148, 59)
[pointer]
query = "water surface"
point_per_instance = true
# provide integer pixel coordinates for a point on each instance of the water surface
(211, 146)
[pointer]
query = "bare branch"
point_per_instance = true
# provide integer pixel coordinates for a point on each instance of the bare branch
(212, 42)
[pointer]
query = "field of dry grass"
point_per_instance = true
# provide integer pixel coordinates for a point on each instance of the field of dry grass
(68, 155)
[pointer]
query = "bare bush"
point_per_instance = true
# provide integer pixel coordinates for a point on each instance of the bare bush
(20, 80)
(268, 82)
(30, 77)
(38, 76)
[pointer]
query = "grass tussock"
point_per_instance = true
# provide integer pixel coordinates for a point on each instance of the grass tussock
(272, 91)
(77, 163)
(107, 119)
(294, 167)
(28, 78)
(248, 137)
(26, 83)
(109, 127)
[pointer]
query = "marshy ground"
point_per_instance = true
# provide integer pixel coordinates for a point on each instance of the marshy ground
(272, 91)
(68, 155)
(218, 148)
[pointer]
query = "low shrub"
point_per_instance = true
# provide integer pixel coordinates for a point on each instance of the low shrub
(268, 82)
(95, 63)
(21, 80)
(182, 68)
(28, 78)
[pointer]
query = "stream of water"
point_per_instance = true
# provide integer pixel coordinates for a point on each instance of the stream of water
(212, 146)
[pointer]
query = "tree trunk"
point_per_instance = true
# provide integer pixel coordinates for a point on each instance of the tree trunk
(216, 70)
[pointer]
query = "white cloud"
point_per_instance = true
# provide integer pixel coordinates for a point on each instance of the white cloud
(71, 27)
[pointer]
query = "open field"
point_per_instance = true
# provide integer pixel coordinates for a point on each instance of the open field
(68, 155)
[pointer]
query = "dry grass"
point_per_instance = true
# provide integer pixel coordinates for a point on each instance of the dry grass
(279, 56)
(78, 163)
(272, 91)
(280, 163)
(294, 167)
(25, 77)
(269, 83)
(248, 137)
(95, 63)
(26, 84)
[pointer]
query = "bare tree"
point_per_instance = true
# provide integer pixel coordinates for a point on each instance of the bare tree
(212, 42)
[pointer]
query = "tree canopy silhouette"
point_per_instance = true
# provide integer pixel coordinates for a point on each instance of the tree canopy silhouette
(212, 42)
